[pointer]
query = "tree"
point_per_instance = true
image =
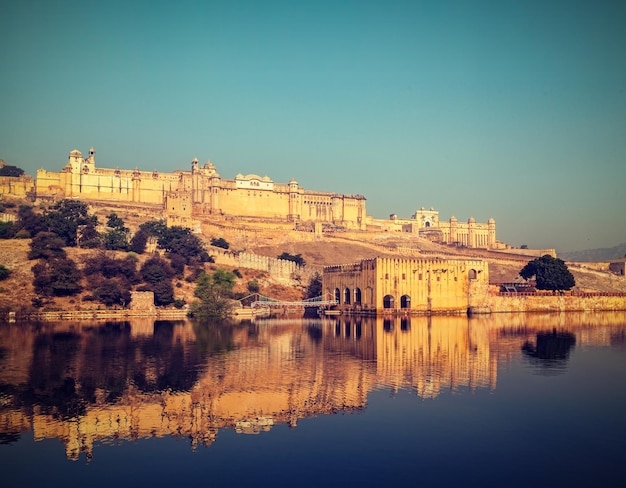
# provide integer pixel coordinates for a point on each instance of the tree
(8, 170)
(4, 272)
(116, 239)
(220, 242)
(550, 273)
(112, 292)
(88, 236)
(315, 287)
(46, 245)
(57, 276)
(180, 240)
(296, 258)
(157, 274)
(139, 241)
(214, 292)
(66, 217)
(114, 222)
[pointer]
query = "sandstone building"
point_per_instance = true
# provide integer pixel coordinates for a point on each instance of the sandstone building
(426, 223)
(407, 286)
(201, 192)
(189, 197)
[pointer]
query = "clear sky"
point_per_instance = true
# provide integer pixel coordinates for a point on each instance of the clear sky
(514, 110)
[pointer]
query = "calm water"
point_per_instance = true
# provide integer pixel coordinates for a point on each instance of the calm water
(507, 400)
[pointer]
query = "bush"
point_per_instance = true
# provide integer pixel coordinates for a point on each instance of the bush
(139, 241)
(296, 258)
(7, 230)
(57, 276)
(253, 286)
(112, 292)
(4, 272)
(220, 242)
(46, 245)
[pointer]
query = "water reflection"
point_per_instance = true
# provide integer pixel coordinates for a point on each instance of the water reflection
(84, 383)
(550, 350)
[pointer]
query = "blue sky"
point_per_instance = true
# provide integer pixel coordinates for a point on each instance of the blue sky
(514, 110)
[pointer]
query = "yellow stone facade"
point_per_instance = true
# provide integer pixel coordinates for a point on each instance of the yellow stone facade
(190, 197)
(186, 196)
(426, 223)
(407, 286)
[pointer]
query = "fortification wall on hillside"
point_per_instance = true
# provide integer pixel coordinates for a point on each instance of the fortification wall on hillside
(282, 270)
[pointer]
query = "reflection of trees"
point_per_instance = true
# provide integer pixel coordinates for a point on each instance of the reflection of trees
(552, 348)
(70, 371)
(51, 385)
(212, 336)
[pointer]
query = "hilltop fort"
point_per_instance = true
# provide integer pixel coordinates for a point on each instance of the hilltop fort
(190, 197)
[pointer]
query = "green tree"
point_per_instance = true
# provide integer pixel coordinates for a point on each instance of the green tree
(296, 258)
(66, 217)
(550, 273)
(180, 240)
(7, 230)
(214, 292)
(139, 241)
(314, 289)
(112, 292)
(46, 245)
(157, 274)
(114, 222)
(116, 239)
(220, 242)
(57, 276)
(4, 272)
(8, 170)
(88, 236)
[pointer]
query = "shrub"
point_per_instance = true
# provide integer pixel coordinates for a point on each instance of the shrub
(220, 242)
(57, 276)
(4, 272)
(46, 245)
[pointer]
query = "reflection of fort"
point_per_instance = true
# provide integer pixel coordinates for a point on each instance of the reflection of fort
(85, 384)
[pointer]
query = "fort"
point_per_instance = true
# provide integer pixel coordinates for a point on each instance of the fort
(395, 278)
(191, 197)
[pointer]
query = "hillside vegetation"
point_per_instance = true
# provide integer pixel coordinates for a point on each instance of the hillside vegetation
(18, 293)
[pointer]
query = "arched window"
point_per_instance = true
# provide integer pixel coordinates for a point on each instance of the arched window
(472, 274)
(337, 295)
(388, 301)
(346, 296)
(405, 301)
(357, 296)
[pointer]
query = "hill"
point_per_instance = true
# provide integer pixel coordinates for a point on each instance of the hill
(600, 254)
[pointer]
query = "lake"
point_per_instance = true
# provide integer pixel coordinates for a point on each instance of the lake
(500, 400)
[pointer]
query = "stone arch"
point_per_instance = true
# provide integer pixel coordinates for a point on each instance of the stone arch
(346, 296)
(337, 295)
(472, 275)
(405, 301)
(357, 296)
(388, 301)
